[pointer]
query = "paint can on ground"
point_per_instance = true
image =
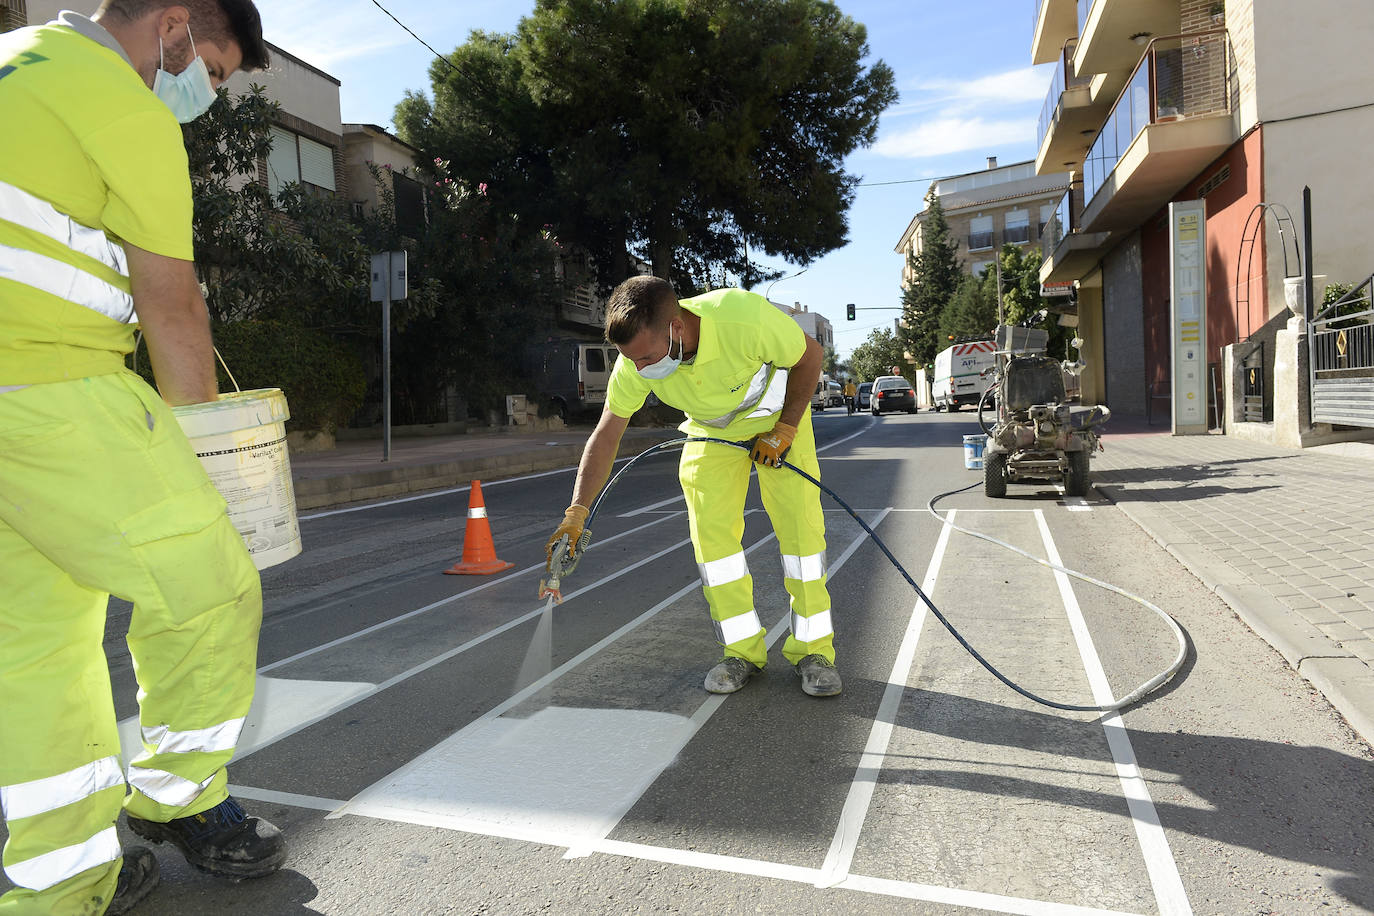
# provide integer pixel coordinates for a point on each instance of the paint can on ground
(973, 451)
(241, 441)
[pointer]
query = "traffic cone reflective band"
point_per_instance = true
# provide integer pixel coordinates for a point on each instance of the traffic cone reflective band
(479, 553)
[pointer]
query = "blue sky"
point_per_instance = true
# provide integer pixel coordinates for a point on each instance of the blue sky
(963, 70)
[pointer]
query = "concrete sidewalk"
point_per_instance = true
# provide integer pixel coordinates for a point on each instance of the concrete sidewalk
(1283, 536)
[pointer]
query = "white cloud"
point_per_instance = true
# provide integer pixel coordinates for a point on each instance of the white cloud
(1027, 84)
(952, 134)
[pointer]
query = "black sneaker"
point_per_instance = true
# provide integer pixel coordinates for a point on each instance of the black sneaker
(222, 840)
(137, 877)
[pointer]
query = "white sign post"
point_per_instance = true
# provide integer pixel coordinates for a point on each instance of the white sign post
(388, 285)
(1188, 316)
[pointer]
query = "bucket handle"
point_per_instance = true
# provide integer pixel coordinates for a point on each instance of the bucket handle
(138, 341)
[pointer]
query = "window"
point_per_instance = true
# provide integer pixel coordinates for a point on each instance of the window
(980, 233)
(977, 267)
(596, 360)
(297, 159)
(1018, 227)
(410, 205)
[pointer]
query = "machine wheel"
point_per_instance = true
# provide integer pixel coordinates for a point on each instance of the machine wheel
(1076, 477)
(995, 474)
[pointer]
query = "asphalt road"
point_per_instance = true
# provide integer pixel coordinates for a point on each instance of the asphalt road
(415, 772)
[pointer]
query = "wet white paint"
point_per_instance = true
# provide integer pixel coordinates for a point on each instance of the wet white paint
(562, 772)
(280, 706)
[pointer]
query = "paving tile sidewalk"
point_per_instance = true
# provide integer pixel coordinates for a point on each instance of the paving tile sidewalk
(1283, 536)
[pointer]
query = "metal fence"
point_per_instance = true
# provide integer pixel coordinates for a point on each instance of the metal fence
(1340, 339)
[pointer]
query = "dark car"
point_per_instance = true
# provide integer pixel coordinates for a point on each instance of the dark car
(864, 390)
(892, 392)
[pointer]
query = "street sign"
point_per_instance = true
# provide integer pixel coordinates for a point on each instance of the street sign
(1188, 316)
(389, 276)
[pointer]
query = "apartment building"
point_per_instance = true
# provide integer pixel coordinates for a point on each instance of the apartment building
(1234, 103)
(816, 325)
(1009, 204)
(377, 164)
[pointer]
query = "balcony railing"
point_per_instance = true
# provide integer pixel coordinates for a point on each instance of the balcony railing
(979, 240)
(1180, 76)
(1015, 235)
(1064, 78)
(1084, 8)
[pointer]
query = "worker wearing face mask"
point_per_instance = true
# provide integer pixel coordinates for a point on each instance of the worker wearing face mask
(100, 491)
(740, 370)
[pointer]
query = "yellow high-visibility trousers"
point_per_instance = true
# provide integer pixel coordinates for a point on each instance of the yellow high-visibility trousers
(715, 481)
(101, 493)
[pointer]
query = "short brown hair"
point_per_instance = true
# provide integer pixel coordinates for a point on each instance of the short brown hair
(220, 21)
(636, 304)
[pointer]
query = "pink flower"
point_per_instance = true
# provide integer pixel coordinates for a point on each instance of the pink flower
(438, 161)
(482, 188)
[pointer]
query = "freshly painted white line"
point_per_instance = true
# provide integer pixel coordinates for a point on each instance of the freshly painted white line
(1170, 896)
(652, 506)
(853, 435)
(392, 621)
(1077, 504)
(692, 859)
(846, 838)
(285, 798)
(997, 903)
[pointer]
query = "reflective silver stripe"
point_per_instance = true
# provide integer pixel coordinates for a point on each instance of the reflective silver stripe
(810, 629)
(807, 569)
(42, 872)
(766, 391)
(477, 512)
(22, 208)
(735, 629)
(25, 799)
(66, 282)
(220, 737)
(165, 788)
(724, 571)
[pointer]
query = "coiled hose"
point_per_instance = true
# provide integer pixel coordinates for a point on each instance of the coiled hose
(1113, 706)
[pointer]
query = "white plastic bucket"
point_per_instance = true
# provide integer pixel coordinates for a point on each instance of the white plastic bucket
(241, 441)
(973, 451)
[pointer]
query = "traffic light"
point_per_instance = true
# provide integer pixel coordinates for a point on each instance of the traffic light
(849, 311)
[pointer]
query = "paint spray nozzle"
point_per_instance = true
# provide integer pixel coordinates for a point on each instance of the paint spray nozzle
(562, 561)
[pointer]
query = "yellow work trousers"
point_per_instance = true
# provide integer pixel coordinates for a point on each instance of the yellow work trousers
(715, 481)
(101, 493)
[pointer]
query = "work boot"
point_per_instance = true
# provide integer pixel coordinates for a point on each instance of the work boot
(137, 877)
(223, 840)
(730, 675)
(818, 676)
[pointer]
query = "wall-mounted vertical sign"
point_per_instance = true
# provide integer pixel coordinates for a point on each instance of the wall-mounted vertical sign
(1188, 316)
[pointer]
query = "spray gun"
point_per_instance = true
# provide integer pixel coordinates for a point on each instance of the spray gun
(560, 565)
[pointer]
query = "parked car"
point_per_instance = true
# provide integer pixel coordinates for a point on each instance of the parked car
(865, 389)
(892, 392)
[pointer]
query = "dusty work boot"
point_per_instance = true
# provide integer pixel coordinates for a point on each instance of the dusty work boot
(137, 878)
(730, 675)
(223, 840)
(818, 676)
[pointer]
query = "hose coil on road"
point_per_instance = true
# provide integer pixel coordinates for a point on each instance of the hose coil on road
(1132, 697)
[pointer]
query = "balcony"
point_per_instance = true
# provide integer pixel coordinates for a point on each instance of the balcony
(1069, 252)
(980, 241)
(1054, 24)
(1067, 117)
(1016, 235)
(1109, 31)
(1173, 118)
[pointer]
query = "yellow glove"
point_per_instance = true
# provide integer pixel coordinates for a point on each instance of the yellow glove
(771, 447)
(574, 517)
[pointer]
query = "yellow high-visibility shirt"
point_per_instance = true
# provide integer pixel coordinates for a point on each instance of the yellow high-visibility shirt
(735, 385)
(89, 158)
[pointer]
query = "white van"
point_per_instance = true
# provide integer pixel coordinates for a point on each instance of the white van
(572, 375)
(962, 373)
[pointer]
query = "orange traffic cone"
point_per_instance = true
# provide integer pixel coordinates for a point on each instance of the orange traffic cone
(479, 553)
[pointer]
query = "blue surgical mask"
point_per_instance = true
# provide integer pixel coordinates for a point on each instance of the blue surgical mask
(189, 93)
(668, 364)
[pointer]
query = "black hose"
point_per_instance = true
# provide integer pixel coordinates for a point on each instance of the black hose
(678, 443)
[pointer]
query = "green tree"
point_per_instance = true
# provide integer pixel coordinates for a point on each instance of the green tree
(972, 311)
(936, 277)
(830, 361)
(1021, 299)
(877, 355)
(669, 127)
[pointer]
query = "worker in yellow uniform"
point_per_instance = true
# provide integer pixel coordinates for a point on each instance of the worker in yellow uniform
(100, 491)
(742, 371)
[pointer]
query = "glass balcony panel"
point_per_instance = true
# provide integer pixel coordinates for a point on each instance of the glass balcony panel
(979, 240)
(1084, 8)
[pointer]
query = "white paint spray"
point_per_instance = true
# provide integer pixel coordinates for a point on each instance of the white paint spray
(539, 657)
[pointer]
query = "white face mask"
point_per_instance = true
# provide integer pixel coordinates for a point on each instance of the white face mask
(667, 365)
(189, 93)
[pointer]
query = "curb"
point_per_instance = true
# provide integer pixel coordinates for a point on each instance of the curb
(360, 486)
(1344, 679)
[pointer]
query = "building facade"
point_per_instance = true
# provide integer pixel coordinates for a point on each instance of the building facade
(816, 325)
(1009, 204)
(1237, 104)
